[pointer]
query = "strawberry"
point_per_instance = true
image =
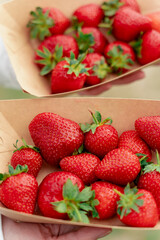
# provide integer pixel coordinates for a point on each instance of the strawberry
(82, 165)
(18, 189)
(91, 37)
(148, 48)
(63, 194)
(155, 18)
(119, 166)
(55, 136)
(99, 68)
(46, 22)
(128, 24)
(131, 140)
(52, 50)
(100, 137)
(120, 56)
(112, 6)
(137, 208)
(150, 181)
(27, 155)
(69, 75)
(107, 197)
(89, 15)
(148, 128)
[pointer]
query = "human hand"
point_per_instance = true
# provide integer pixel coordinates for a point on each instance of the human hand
(30, 231)
(123, 80)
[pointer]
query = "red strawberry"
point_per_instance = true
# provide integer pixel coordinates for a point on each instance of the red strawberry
(131, 140)
(46, 22)
(148, 128)
(52, 49)
(68, 75)
(119, 166)
(27, 155)
(149, 49)
(150, 181)
(97, 44)
(90, 15)
(107, 197)
(132, 4)
(128, 24)
(155, 18)
(99, 138)
(137, 208)
(82, 165)
(55, 136)
(120, 56)
(18, 189)
(61, 194)
(111, 7)
(99, 68)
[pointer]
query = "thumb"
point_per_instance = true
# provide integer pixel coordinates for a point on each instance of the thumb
(87, 233)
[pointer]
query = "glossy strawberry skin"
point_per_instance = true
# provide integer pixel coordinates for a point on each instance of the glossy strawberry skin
(55, 136)
(90, 14)
(151, 182)
(148, 128)
(29, 157)
(119, 166)
(132, 4)
(50, 190)
(150, 50)
(82, 165)
(107, 197)
(67, 42)
(155, 18)
(128, 24)
(147, 215)
(102, 141)
(19, 193)
(99, 39)
(61, 22)
(131, 140)
(90, 62)
(61, 81)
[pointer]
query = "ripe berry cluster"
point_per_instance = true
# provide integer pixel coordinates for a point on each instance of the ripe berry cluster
(95, 41)
(100, 174)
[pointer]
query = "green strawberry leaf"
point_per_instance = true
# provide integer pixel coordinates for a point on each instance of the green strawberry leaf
(85, 41)
(25, 145)
(40, 24)
(76, 204)
(13, 172)
(129, 201)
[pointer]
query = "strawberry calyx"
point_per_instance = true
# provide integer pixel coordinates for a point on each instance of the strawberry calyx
(25, 145)
(153, 167)
(110, 7)
(129, 201)
(77, 204)
(143, 160)
(79, 151)
(101, 69)
(85, 41)
(118, 60)
(40, 24)
(97, 121)
(12, 172)
(48, 59)
(137, 45)
(75, 65)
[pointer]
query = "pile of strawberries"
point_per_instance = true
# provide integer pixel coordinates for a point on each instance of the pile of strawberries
(100, 173)
(97, 40)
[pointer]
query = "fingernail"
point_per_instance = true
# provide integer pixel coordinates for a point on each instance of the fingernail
(104, 232)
